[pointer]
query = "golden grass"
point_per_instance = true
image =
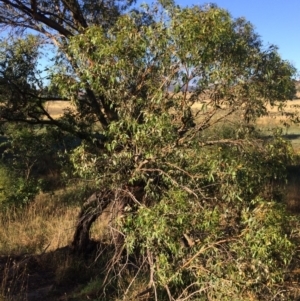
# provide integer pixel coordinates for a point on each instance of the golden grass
(44, 225)
(56, 108)
(275, 117)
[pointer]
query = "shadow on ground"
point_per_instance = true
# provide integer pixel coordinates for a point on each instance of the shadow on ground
(292, 196)
(50, 276)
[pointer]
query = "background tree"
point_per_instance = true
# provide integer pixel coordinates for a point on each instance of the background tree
(191, 208)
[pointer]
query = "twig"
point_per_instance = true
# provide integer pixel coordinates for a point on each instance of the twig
(171, 179)
(169, 293)
(181, 298)
(133, 279)
(203, 249)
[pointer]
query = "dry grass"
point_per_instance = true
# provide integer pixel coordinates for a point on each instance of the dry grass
(56, 108)
(44, 225)
(275, 117)
(277, 120)
(13, 285)
(27, 239)
(33, 252)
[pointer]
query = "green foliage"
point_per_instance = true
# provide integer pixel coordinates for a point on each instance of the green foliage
(207, 225)
(227, 236)
(5, 183)
(15, 190)
(21, 193)
(30, 158)
(20, 78)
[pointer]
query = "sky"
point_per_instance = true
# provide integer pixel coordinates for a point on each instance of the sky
(276, 21)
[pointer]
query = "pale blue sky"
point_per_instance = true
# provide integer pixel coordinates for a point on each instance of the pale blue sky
(276, 21)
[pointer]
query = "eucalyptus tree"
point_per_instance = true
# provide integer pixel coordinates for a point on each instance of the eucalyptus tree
(60, 19)
(164, 102)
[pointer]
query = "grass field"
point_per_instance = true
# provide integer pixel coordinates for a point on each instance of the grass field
(266, 124)
(275, 119)
(56, 108)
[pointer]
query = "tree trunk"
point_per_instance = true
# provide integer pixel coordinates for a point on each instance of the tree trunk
(108, 205)
(90, 211)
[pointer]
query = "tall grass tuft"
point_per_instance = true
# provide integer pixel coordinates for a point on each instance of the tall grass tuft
(44, 224)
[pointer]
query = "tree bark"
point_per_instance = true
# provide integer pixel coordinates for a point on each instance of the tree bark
(109, 205)
(90, 211)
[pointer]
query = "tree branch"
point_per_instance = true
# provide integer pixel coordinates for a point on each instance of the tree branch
(19, 6)
(74, 7)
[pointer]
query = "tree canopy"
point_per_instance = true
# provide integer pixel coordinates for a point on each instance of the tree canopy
(164, 103)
